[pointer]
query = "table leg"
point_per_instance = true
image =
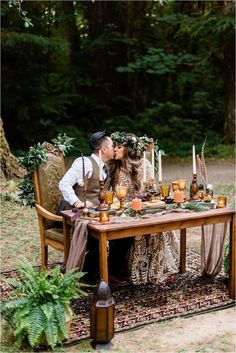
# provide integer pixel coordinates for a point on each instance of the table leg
(232, 260)
(103, 257)
(182, 262)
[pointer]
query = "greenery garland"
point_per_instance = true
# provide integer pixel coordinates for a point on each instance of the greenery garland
(32, 159)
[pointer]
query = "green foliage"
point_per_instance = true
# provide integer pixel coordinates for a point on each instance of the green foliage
(40, 306)
(63, 142)
(226, 258)
(165, 76)
(32, 159)
(194, 206)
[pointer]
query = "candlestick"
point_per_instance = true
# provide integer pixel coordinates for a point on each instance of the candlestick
(100, 166)
(160, 166)
(101, 198)
(153, 164)
(144, 168)
(194, 161)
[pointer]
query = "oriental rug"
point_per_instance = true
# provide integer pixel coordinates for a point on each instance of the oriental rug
(180, 295)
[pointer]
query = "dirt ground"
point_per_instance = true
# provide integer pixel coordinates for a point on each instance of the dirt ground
(211, 332)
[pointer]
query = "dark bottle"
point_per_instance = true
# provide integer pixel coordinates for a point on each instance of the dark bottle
(194, 188)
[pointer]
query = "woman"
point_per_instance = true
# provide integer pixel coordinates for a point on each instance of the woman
(152, 258)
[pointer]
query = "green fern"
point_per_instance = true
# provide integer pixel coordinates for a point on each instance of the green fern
(40, 305)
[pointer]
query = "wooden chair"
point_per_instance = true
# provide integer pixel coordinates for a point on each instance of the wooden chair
(53, 230)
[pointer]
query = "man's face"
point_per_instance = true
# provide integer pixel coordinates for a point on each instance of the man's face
(108, 150)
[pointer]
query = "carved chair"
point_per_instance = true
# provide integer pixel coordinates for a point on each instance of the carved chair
(53, 230)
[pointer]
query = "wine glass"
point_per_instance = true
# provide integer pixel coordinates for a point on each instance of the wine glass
(121, 193)
(175, 185)
(182, 184)
(165, 190)
(109, 197)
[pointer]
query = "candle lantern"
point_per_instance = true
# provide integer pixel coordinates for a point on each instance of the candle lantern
(102, 315)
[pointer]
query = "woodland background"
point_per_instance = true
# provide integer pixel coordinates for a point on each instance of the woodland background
(165, 69)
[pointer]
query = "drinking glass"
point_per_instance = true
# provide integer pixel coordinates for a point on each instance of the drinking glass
(182, 184)
(121, 193)
(109, 197)
(165, 190)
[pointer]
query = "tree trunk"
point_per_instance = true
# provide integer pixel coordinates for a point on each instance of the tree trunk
(10, 168)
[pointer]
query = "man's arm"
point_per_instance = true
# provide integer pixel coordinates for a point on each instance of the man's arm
(75, 176)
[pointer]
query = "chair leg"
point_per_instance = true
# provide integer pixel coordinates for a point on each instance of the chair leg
(44, 256)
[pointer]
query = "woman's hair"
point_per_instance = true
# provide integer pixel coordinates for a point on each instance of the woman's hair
(131, 160)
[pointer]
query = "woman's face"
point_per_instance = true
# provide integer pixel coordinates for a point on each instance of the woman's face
(119, 151)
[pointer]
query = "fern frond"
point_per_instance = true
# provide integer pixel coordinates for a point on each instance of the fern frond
(60, 314)
(51, 332)
(36, 327)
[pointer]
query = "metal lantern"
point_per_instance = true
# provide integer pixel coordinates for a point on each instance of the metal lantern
(102, 315)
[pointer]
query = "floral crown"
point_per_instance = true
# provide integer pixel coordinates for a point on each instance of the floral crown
(138, 144)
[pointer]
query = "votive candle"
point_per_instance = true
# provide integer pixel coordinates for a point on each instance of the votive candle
(136, 204)
(178, 196)
(103, 217)
(194, 161)
(100, 166)
(159, 166)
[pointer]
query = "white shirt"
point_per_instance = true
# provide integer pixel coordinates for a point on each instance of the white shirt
(74, 175)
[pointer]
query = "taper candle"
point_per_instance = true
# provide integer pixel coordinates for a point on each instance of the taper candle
(159, 166)
(194, 161)
(153, 164)
(144, 167)
(100, 166)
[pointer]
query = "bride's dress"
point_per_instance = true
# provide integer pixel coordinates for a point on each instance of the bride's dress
(153, 257)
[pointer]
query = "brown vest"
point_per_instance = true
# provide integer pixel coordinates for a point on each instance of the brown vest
(93, 186)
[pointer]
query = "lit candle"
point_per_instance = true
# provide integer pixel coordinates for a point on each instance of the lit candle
(153, 164)
(144, 167)
(178, 196)
(100, 166)
(159, 165)
(194, 161)
(103, 217)
(136, 204)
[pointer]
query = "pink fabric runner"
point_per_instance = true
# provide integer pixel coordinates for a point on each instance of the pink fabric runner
(78, 245)
(212, 248)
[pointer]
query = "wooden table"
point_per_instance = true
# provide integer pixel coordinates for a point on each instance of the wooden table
(170, 221)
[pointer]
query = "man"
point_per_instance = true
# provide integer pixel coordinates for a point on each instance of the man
(71, 185)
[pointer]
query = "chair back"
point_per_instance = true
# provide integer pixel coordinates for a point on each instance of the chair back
(47, 177)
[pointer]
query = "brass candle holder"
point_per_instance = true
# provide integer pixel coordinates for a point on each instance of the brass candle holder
(101, 197)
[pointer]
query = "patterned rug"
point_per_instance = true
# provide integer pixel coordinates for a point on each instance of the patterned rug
(180, 295)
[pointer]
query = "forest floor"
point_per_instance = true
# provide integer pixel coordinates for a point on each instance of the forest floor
(209, 332)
